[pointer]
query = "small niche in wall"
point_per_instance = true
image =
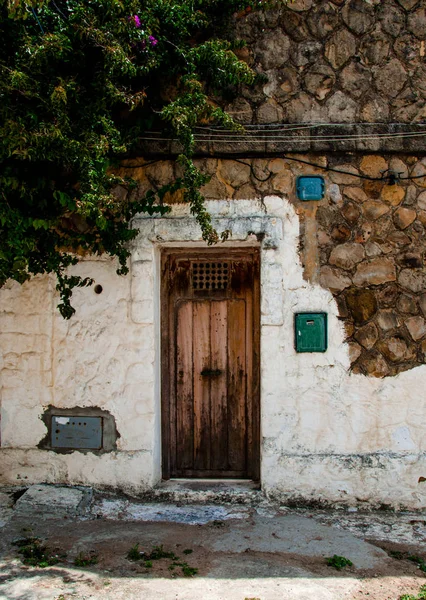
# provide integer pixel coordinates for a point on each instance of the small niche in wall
(310, 187)
(80, 429)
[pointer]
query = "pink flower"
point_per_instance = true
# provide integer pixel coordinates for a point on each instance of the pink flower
(153, 41)
(137, 21)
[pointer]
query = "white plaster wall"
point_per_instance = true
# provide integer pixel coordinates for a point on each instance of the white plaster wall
(327, 435)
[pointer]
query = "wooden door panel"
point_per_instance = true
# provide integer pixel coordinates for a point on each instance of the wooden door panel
(237, 422)
(201, 357)
(184, 387)
(218, 385)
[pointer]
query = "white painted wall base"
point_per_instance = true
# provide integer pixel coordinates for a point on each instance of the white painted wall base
(327, 435)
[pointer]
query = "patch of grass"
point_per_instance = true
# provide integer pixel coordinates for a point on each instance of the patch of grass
(85, 560)
(186, 569)
(158, 552)
(134, 553)
(419, 562)
(420, 596)
(189, 571)
(338, 562)
(34, 553)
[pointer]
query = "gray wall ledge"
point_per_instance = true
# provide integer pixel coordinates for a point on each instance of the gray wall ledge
(279, 139)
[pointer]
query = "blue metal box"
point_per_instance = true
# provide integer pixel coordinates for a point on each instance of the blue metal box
(310, 332)
(310, 188)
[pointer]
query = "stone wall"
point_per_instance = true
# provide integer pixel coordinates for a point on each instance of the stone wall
(336, 61)
(365, 241)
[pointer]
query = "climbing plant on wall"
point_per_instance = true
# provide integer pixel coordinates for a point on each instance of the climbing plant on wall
(80, 81)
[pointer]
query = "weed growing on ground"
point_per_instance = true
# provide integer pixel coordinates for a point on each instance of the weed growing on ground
(420, 596)
(338, 562)
(34, 553)
(188, 571)
(419, 562)
(158, 553)
(85, 560)
(134, 553)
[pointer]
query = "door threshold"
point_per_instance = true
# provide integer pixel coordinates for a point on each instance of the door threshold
(218, 486)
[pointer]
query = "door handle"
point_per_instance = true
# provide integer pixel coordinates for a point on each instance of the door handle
(211, 372)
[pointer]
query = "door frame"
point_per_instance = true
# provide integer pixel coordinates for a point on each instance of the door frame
(167, 389)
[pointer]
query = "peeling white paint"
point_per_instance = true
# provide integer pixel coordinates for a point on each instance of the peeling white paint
(327, 434)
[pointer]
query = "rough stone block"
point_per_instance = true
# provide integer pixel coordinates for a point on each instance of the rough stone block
(373, 210)
(362, 304)
(403, 217)
(341, 108)
(375, 272)
(388, 319)
(358, 16)
(374, 365)
(346, 256)
(417, 327)
(340, 47)
(413, 280)
(273, 49)
(334, 279)
(40, 500)
(391, 78)
(417, 22)
(395, 349)
(367, 336)
(373, 165)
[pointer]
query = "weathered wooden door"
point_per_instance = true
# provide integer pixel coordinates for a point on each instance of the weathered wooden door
(210, 363)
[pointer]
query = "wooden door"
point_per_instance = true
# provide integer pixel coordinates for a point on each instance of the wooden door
(210, 362)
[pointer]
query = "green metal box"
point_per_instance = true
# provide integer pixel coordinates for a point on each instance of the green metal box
(310, 331)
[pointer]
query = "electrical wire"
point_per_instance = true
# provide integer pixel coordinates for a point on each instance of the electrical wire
(238, 139)
(392, 176)
(221, 135)
(227, 138)
(145, 164)
(305, 125)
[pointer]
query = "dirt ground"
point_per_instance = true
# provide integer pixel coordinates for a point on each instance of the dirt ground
(248, 553)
